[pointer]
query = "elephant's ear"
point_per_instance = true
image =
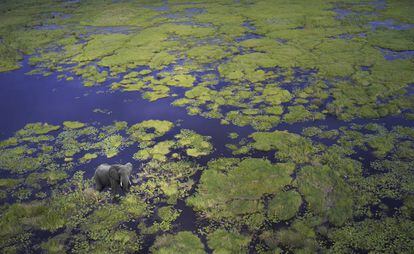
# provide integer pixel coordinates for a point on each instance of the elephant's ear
(114, 174)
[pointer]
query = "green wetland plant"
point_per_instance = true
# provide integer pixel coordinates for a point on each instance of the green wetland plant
(182, 242)
(388, 235)
(284, 206)
(222, 241)
(235, 195)
(288, 146)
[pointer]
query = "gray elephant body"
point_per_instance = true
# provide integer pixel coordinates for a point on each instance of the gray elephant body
(115, 176)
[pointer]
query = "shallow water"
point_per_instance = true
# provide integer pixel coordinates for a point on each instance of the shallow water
(394, 55)
(46, 99)
(390, 24)
(34, 98)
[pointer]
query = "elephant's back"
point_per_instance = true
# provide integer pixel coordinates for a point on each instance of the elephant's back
(102, 173)
(103, 168)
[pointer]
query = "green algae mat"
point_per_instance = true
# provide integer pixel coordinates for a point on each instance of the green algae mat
(254, 126)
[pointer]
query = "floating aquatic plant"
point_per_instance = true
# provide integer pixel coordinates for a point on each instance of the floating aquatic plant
(148, 130)
(73, 124)
(196, 145)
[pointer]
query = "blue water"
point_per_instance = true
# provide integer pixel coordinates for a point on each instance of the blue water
(248, 36)
(395, 55)
(390, 24)
(249, 25)
(347, 36)
(342, 13)
(34, 98)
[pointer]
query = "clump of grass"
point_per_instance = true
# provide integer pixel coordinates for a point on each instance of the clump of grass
(148, 130)
(195, 144)
(289, 146)
(222, 241)
(234, 194)
(284, 206)
(73, 124)
(326, 193)
(182, 242)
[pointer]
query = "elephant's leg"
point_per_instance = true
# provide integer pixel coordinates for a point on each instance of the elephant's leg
(114, 186)
(99, 185)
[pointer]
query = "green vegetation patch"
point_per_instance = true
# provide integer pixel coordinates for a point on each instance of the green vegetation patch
(112, 144)
(9, 182)
(21, 159)
(222, 241)
(167, 216)
(73, 124)
(289, 146)
(384, 235)
(51, 177)
(36, 129)
(236, 194)
(167, 181)
(299, 237)
(196, 145)
(157, 152)
(86, 216)
(326, 193)
(148, 130)
(284, 206)
(182, 242)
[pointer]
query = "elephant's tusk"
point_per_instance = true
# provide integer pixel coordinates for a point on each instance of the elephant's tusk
(121, 183)
(129, 182)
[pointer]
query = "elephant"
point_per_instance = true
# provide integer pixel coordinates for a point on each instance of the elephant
(114, 176)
